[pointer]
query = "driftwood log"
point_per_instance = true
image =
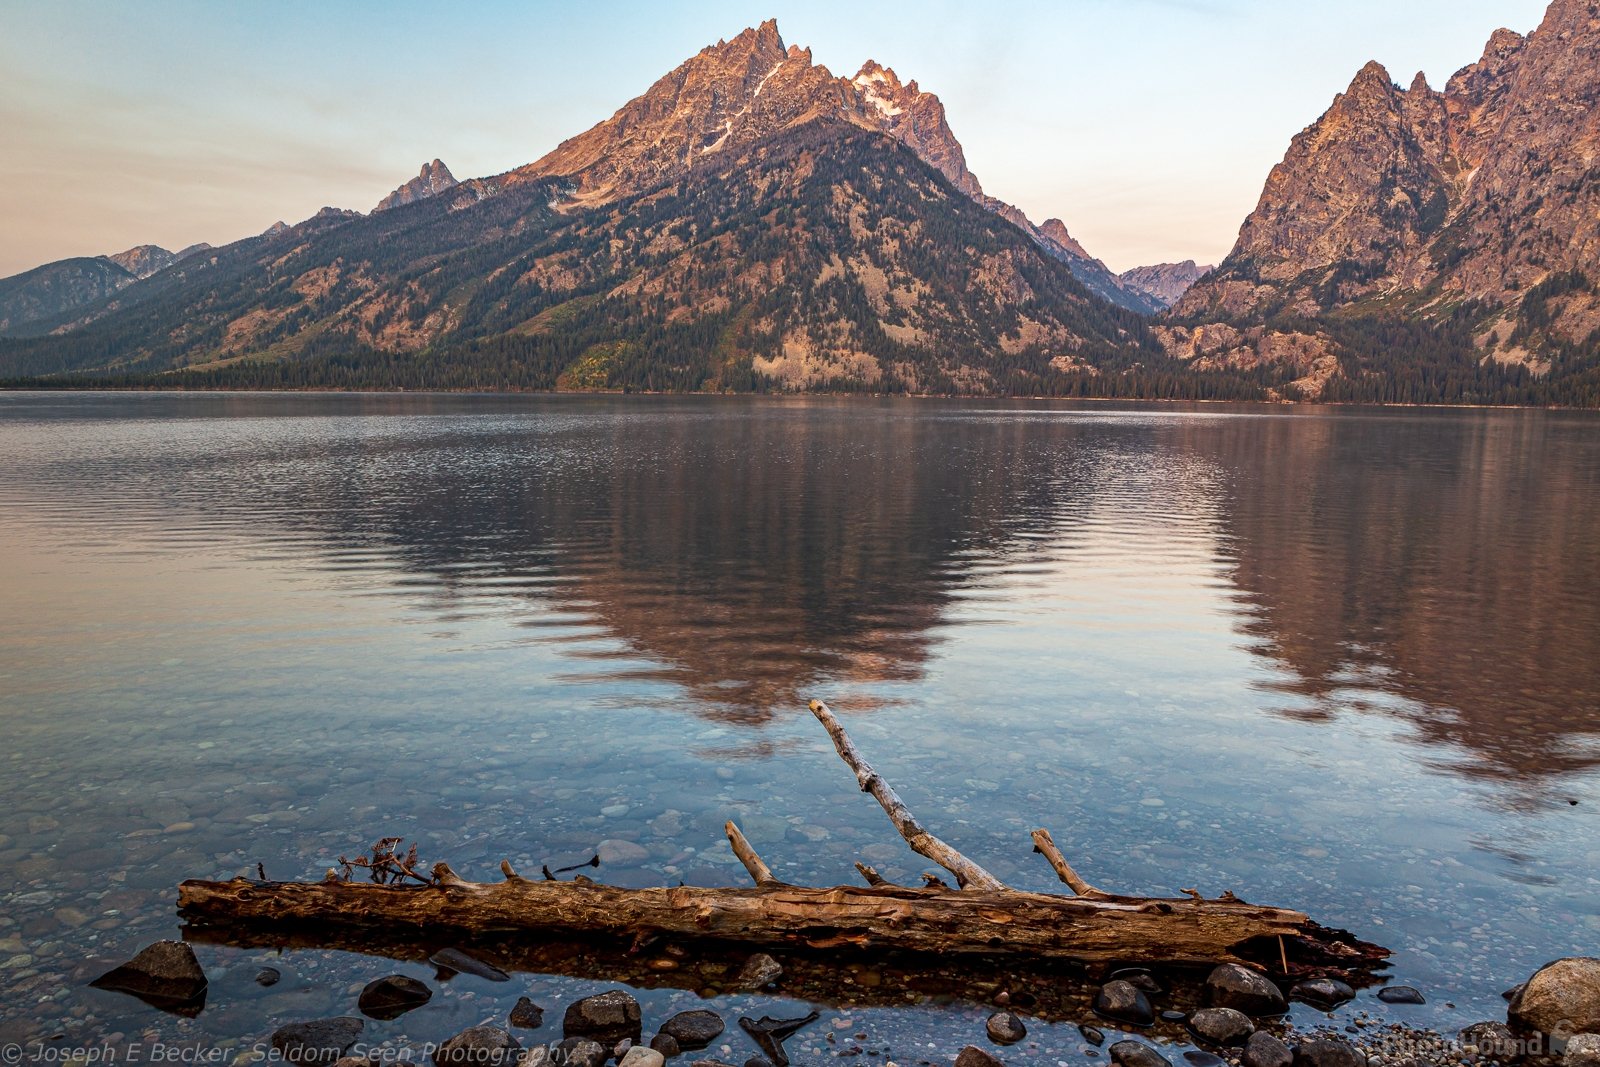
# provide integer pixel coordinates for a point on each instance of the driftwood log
(981, 918)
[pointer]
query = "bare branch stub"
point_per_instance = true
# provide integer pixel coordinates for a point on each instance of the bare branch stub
(1045, 845)
(748, 856)
(968, 874)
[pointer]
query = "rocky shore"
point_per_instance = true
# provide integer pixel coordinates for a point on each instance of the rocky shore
(1235, 1017)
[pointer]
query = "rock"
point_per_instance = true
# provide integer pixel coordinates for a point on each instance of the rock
(1005, 1028)
(621, 853)
(693, 1030)
(1222, 1026)
(1492, 1041)
(1092, 1034)
(1561, 998)
(1196, 1058)
(639, 1056)
(973, 1056)
(758, 1061)
(1582, 1051)
(1173, 1015)
(165, 972)
(759, 970)
(578, 1052)
(1137, 1054)
(526, 1014)
(1123, 1002)
(391, 997)
(1401, 994)
(1240, 988)
(666, 1044)
(1328, 1052)
(1137, 977)
(1265, 1050)
(453, 959)
(1324, 993)
(479, 1046)
(318, 1043)
(606, 1018)
(268, 976)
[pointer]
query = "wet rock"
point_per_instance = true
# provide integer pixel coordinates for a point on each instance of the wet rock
(973, 1056)
(1328, 1052)
(1561, 998)
(392, 996)
(1137, 1054)
(666, 1044)
(458, 962)
(769, 1034)
(163, 973)
(1173, 1015)
(1137, 977)
(758, 971)
(1324, 993)
(1582, 1051)
(1222, 1026)
(1492, 1041)
(318, 1043)
(1123, 1002)
(758, 1061)
(268, 976)
(1266, 1050)
(693, 1030)
(639, 1056)
(1234, 986)
(1401, 994)
(1092, 1034)
(578, 1052)
(606, 1017)
(526, 1014)
(479, 1046)
(621, 853)
(1196, 1058)
(1005, 1028)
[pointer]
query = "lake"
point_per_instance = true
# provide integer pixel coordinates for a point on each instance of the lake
(1341, 660)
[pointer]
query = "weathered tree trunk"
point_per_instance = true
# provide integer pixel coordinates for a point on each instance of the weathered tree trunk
(983, 919)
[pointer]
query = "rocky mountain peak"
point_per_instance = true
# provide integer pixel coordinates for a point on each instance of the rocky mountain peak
(434, 178)
(1165, 283)
(1055, 231)
(141, 261)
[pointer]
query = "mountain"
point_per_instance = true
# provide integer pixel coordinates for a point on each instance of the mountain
(54, 292)
(434, 178)
(141, 261)
(750, 222)
(1456, 231)
(1164, 283)
(57, 288)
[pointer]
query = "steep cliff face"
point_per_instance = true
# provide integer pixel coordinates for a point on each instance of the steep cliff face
(1477, 206)
(433, 179)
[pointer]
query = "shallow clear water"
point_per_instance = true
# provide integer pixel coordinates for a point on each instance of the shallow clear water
(1341, 660)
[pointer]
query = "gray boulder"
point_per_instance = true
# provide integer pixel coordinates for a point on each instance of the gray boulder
(1328, 1052)
(164, 971)
(1137, 1054)
(1222, 1026)
(318, 1043)
(1266, 1050)
(606, 1018)
(1234, 986)
(479, 1046)
(1124, 1003)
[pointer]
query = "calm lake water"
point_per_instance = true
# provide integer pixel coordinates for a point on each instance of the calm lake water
(1341, 660)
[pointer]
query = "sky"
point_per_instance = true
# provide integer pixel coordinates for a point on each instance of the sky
(1147, 125)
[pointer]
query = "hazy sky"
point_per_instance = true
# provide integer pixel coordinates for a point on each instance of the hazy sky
(1148, 125)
